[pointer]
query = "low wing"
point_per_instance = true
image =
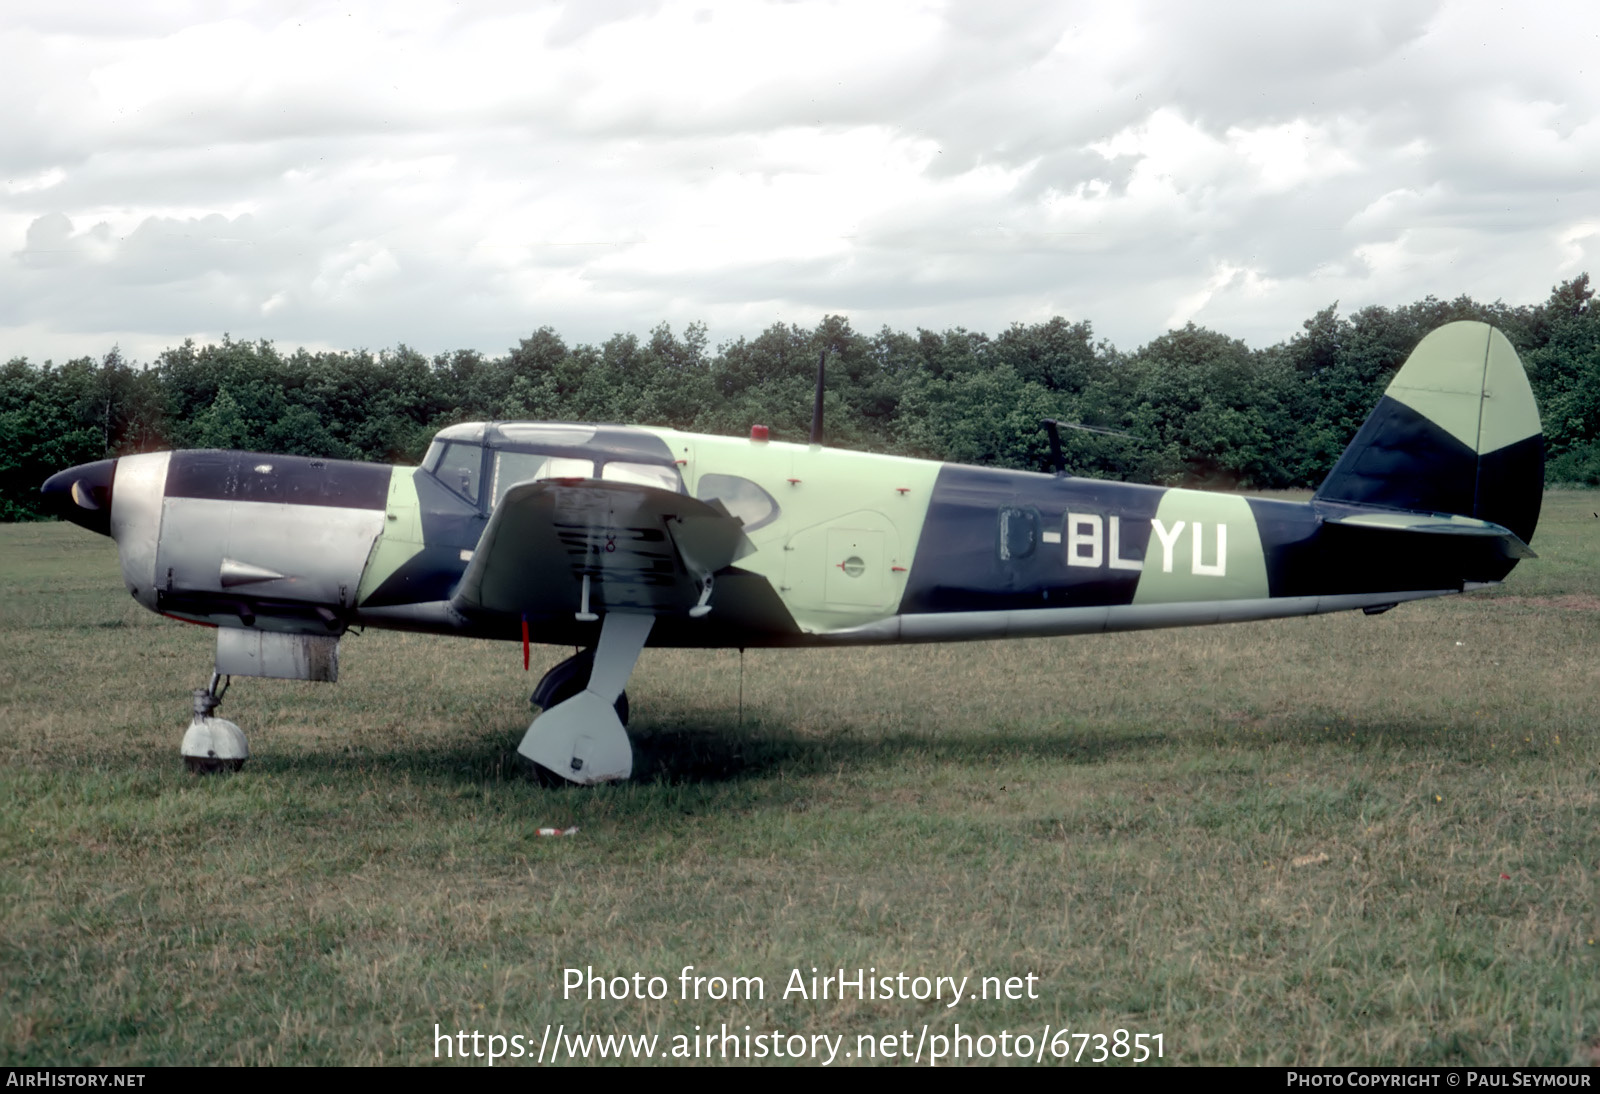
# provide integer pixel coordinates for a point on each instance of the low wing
(643, 550)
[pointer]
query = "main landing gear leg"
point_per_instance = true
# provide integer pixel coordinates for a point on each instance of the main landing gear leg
(213, 744)
(581, 738)
(566, 679)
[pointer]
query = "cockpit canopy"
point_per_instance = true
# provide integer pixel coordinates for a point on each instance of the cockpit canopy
(480, 461)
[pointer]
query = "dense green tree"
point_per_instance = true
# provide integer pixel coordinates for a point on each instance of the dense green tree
(1565, 369)
(1204, 397)
(1197, 406)
(46, 424)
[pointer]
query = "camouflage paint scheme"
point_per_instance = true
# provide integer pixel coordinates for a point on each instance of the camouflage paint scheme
(859, 540)
(725, 542)
(931, 538)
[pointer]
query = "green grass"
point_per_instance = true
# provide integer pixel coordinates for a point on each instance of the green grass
(1120, 815)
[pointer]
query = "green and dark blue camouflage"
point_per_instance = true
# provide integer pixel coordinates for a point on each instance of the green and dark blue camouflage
(614, 537)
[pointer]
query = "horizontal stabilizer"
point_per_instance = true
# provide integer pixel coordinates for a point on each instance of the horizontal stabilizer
(1437, 524)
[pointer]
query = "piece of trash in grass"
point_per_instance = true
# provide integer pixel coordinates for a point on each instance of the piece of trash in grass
(1310, 860)
(555, 831)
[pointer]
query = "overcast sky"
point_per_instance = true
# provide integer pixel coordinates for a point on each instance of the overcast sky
(456, 175)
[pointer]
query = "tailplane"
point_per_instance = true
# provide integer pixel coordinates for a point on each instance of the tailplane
(1456, 432)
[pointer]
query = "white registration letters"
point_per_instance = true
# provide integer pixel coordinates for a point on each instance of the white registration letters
(1086, 533)
(1220, 567)
(1089, 539)
(1117, 561)
(1169, 539)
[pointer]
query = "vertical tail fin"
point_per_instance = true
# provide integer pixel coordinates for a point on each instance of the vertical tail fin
(1457, 431)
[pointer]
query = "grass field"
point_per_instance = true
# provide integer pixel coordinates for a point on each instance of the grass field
(1337, 840)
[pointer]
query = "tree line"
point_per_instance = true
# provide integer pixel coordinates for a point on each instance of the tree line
(1199, 408)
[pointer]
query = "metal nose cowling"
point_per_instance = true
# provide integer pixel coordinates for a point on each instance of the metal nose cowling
(82, 494)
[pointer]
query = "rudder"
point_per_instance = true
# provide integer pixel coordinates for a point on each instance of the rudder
(1457, 431)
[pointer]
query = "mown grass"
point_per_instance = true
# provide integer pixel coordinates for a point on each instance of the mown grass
(1121, 815)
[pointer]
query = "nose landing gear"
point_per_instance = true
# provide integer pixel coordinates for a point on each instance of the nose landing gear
(212, 744)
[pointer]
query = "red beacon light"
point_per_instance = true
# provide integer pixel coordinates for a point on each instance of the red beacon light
(758, 433)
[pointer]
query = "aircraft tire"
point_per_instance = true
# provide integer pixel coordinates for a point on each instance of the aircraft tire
(208, 765)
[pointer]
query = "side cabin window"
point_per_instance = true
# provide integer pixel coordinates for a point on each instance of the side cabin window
(511, 468)
(742, 498)
(643, 474)
(1019, 533)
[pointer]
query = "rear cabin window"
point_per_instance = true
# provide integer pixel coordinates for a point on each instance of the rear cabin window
(742, 498)
(1019, 533)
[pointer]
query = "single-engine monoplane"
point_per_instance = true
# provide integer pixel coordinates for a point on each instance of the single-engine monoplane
(610, 538)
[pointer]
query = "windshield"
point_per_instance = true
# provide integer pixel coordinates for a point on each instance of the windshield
(458, 466)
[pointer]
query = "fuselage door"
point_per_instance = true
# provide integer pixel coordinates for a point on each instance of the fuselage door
(858, 573)
(838, 573)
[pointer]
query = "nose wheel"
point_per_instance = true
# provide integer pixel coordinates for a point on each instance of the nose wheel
(211, 744)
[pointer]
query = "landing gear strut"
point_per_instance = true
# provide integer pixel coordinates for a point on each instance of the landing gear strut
(580, 736)
(213, 744)
(566, 679)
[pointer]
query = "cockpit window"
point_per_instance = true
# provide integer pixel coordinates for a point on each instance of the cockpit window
(557, 452)
(566, 467)
(511, 468)
(431, 460)
(459, 467)
(642, 474)
(742, 498)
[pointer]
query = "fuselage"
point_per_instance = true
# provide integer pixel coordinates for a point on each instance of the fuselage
(849, 547)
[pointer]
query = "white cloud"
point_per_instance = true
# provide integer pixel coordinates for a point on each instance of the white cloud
(1292, 154)
(42, 180)
(1580, 248)
(350, 271)
(451, 176)
(1228, 278)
